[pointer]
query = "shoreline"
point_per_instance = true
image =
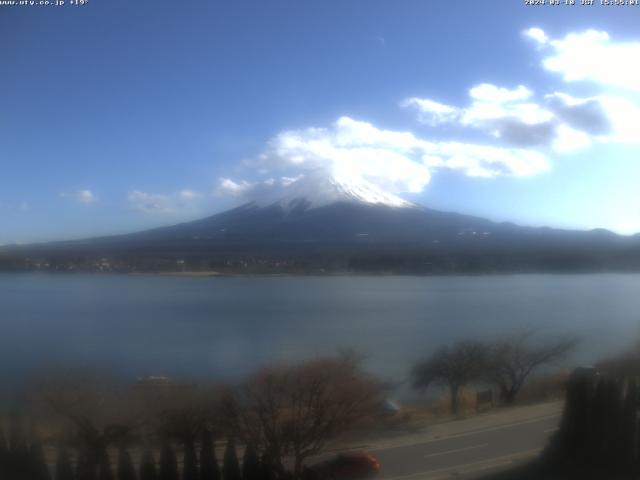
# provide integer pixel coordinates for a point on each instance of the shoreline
(217, 274)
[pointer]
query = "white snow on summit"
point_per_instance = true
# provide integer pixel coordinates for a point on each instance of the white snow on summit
(318, 189)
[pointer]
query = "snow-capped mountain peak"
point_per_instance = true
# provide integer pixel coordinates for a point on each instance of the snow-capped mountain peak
(318, 189)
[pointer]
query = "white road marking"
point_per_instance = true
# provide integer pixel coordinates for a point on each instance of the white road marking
(375, 448)
(448, 452)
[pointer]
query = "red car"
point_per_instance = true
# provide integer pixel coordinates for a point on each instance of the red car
(346, 466)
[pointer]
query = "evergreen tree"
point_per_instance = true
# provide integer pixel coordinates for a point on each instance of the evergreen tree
(231, 466)
(64, 470)
(266, 468)
(4, 448)
(251, 468)
(105, 472)
(4, 454)
(148, 469)
(126, 470)
(611, 444)
(87, 467)
(209, 468)
(37, 461)
(19, 455)
(190, 463)
(18, 461)
(629, 434)
(598, 423)
(168, 464)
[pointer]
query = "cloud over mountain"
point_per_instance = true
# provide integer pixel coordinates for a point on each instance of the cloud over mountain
(395, 161)
(500, 131)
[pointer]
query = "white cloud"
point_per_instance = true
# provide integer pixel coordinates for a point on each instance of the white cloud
(480, 112)
(395, 161)
(591, 55)
(537, 35)
(431, 112)
(82, 196)
(352, 148)
(624, 116)
(606, 118)
(289, 180)
(161, 203)
(587, 114)
(487, 161)
(558, 122)
(568, 139)
(486, 92)
(505, 114)
(522, 130)
(226, 186)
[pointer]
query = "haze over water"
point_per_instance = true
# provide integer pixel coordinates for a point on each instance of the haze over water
(225, 327)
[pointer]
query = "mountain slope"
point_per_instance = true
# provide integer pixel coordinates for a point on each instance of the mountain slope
(321, 224)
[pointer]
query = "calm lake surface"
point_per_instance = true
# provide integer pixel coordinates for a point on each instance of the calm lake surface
(225, 327)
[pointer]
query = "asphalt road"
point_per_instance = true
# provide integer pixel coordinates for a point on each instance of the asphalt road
(468, 453)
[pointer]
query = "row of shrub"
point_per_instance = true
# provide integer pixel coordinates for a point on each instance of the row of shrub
(26, 460)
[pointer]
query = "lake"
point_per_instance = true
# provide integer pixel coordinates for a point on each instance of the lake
(226, 327)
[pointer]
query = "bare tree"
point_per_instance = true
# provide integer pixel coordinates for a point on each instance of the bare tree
(176, 410)
(513, 359)
(452, 367)
(95, 407)
(183, 419)
(293, 411)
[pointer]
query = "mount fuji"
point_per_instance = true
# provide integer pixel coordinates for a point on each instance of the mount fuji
(318, 189)
(323, 223)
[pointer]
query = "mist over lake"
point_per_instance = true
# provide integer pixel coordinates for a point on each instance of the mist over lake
(226, 327)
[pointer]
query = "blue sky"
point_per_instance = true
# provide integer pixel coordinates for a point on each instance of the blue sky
(122, 115)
